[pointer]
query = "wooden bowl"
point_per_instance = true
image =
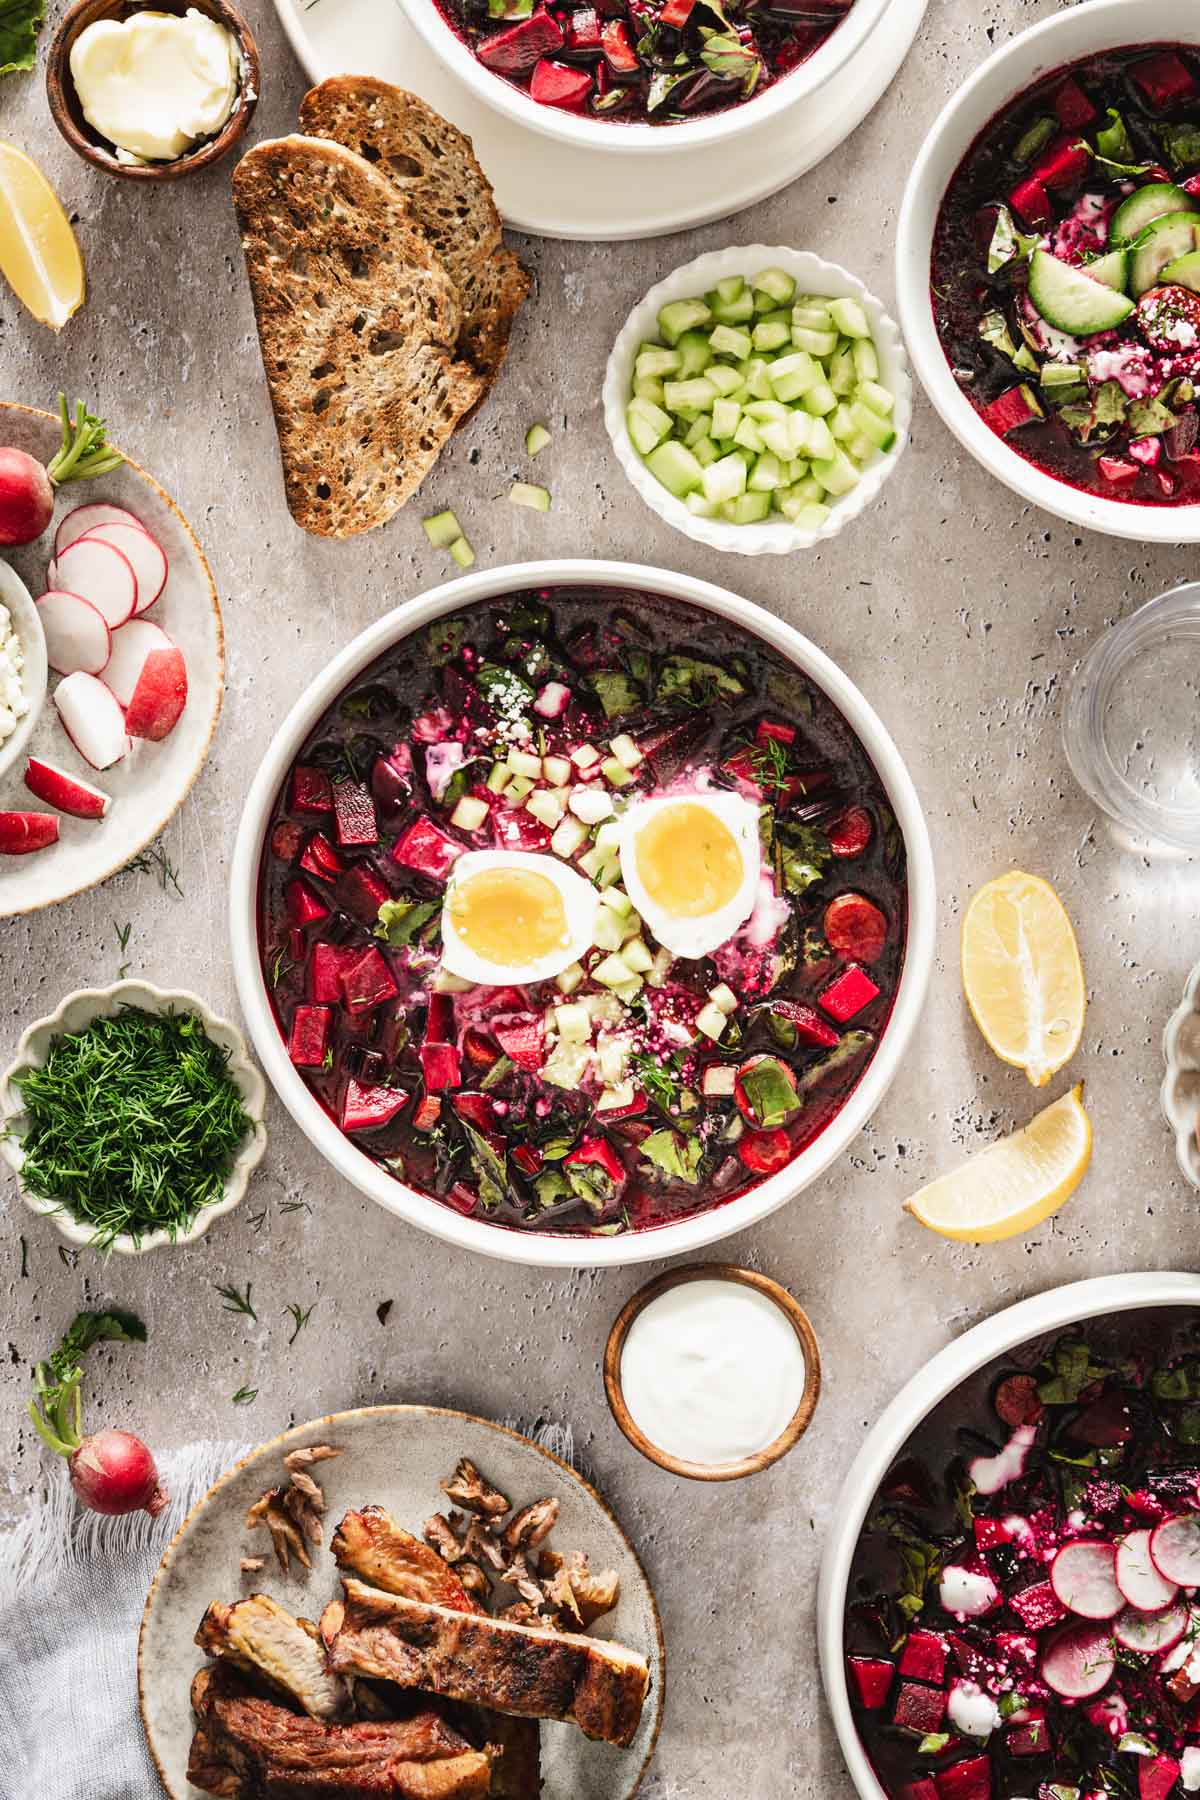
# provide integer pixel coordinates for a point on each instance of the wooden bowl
(86, 141)
(796, 1426)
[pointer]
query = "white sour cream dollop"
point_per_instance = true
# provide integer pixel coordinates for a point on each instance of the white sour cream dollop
(155, 84)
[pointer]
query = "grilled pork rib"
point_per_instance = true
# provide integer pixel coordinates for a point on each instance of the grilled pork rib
(518, 1669)
(262, 1637)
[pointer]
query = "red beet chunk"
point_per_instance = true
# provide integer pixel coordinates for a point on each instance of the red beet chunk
(439, 1021)
(515, 50)
(1165, 80)
(1104, 1424)
(361, 892)
(619, 53)
(476, 1109)
(309, 1040)
(1038, 1607)
(365, 1107)
(583, 30)
(1117, 471)
(440, 1066)
(479, 1048)
(848, 993)
(1157, 1776)
(296, 944)
(855, 928)
(522, 1040)
(312, 790)
(354, 811)
(427, 1112)
(810, 1026)
(368, 982)
(991, 1534)
(1016, 1401)
(1030, 201)
(970, 1780)
(850, 834)
(391, 781)
(923, 1789)
(872, 1676)
(462, 1198)
(1030, 1739)
(774, 731)
(558, 84)
(907, 1484)
(303, 906)
(765, 1152)
(427, 849)
(1074, 109)
(1017, 1650)
(528, 1158)
(677, 13)
(320, 858)
(516, 829)
(1063, 162)
(924, 1657)
(326, 967)
(286, 840)
(598, 1153)
(1019, 406)
(919, 1709)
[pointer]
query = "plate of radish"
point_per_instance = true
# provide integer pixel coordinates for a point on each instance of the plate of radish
(135, 650)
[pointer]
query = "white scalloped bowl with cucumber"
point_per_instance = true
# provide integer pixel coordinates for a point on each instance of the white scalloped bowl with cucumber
(758, 399)
(1048, 267)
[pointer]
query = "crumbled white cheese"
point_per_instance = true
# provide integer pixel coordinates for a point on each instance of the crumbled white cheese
(973, 1713)
(14, 702)
(967, 1593)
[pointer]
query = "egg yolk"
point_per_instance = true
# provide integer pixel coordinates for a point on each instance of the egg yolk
(688, 860)
(509, 916)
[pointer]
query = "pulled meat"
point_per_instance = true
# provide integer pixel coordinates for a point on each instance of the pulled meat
(527, 1528)
(468, 1489)
(591, 1594)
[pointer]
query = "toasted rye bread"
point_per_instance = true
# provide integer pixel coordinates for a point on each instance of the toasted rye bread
(433, 165)
(357, 319)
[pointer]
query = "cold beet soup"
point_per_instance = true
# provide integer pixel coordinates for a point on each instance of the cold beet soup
(1066, 275)
(1021, 1617)
(650, 61)
(582, 912)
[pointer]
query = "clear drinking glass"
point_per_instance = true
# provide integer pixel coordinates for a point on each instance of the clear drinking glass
(1131, 723)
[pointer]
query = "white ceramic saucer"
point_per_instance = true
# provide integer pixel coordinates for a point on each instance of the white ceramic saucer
(577, 193)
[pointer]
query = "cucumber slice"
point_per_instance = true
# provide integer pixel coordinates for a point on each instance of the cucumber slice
(819, 442)
(749, 436)
(525, 493)
(705, 451)
(698, 393)
(733, 311)
(650, 390)
(866, 359)
(837, 475)
(464, 556)
(731, 288)
(675, 466)
(841, 373)
(766, 475)
(841, 423)
(700, 428)
(817, 343)
(726, 417)
(792, 376)
(819, 400)
(877, 398)
(679, 316)
(1149, 203)
(1163, 242)
(747, 509)
(1185, 270)
(1071, 301)
(1111, 271)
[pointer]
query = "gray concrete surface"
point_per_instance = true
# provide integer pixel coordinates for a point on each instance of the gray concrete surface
(958, 611)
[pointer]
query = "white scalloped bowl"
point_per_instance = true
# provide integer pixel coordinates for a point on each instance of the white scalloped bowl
(36, 673)
(813, 275)
(1180, 1092)
(73, 1014)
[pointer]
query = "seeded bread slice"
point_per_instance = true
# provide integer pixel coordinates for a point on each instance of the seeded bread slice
(357, 320)
(434, 166)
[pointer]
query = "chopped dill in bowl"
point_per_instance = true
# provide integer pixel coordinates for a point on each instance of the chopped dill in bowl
(133, 1123)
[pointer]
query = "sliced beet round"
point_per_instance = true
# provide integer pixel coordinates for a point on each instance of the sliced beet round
(855, 928)
(1016, 1401)
(765, 1152)
(1175, 1549)
(1078, 1660)
(1083, 1575)
(850, 833)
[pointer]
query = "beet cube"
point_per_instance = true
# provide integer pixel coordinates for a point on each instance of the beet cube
(309, 1040)
(518, 830)
(354, 811)
(1030, 1739)
(427, 849)
(1030, 201)
(919, 1709)
(361, 893)
(1017, 1650)
(312, 791)
(439, 1021)
(848, 993)
(970, 1780)
(924, 1657)
(1063, 162)
(872, 1676)
(677, 13)
(365, 1107)
(515, 50)
(320, 858)
(1016, 407)
(1038, 1607)
(303, 906)
(907, 1484)
(522, 1040)
(558, 84)
(440, 1065)
(809, 1025)
(583, 30)
(1074, 109)
(1156, 1776)
(476, 1109)
(368, 982)
(427, 1112)
(325, 969)
(991, 1533)
(1165, 80)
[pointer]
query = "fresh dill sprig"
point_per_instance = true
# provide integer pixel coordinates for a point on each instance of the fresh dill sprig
(122, 935)
(156, 862)
(244, 1396)
(290, 1206)
(256, 1220)
(238, 1303)
(300, 1317)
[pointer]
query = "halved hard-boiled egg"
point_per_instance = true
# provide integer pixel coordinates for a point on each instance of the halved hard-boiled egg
(510, 916)
(691, 866)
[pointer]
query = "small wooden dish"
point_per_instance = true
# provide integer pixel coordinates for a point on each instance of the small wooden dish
(796, 1426)
(86, 141)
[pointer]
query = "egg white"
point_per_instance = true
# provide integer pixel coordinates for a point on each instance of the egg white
(693, 938)
(579, 900)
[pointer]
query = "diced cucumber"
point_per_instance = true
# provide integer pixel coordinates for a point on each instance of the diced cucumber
(877, 431)
(757, 379)
(762, 410)
(657, 362)
(841, 423)
(536, 439)
(747, 509)
(705, 451)
(849, 317)
(462, 553)
(812, 516)
(1111, 270)
(726, 415)
(766, 475)
(699, 428)
(811, 313)
(792, 376)
(650, 387)
(1070, 300)
(866, 359)
(820, 440)
(730, 287)
(820, 399)
(842, 376)
(1163, 242)
(647, 424)
(777, 284)
(725, 380)
(877, 398)
(724, 480)
(1145, 205)
(695, 355)
(727, 340)
(837, 474)
(676, 467)
(817, 343)
(679, 316)
(698, 393)
(699, 507)
(771, 335)
(442, 529)
(776, 435)
(749, 436)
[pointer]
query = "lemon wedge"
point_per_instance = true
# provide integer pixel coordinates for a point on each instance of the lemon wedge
(1022, 975)
(1012, 1185)
(39, 255)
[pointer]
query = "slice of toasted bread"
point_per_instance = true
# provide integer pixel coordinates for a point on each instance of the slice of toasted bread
(357, 320)
(433, 165)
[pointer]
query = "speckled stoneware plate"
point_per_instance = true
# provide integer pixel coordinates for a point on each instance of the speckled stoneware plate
(153, 779)
(1181, 1083)
(395, 1456)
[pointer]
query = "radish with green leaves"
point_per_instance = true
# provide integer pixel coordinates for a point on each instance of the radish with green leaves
(112, 1471)
(27, 486)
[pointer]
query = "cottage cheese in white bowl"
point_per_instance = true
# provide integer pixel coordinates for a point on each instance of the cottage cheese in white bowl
(23, 668)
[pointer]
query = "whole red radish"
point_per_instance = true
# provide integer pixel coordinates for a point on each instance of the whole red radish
(27, 488)
(111, 1471)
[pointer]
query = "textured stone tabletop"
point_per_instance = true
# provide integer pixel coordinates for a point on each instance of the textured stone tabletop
(958, 611)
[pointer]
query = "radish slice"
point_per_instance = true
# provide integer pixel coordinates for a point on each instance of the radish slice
(1175, 1549)
(82, 519)
(1137, 1577)
(145, 554)
(1083, 1576)
(92, 719)
(77, 636)
(71, 795)
(131, 645)
(1151, 1632)
(159, 697)
(101, 574)
(23, 832)
(1078, 1661)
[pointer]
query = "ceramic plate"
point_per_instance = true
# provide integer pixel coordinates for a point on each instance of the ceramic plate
(395, 1457)
(556, 190)
(1181, 1084)
(153, 779)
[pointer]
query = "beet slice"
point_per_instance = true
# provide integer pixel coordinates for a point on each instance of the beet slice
(516, 50)
(848, 993)
(354, 811)
(303, 906)
(851, 832)
(855, 928)
(309, 1039)
(365, 1107)
(312, 790)
(1157, 1776)
(970, 1780)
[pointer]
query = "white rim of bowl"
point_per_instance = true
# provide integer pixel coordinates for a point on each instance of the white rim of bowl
(914, 238)
(541, 1248)
(960, 1359)
(101, 1001)
(776, 537)
(843, 42)
(27, 625)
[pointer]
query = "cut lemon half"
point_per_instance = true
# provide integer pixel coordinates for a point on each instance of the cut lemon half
(1022, 975)
(39, 255)
(1012, 1185)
